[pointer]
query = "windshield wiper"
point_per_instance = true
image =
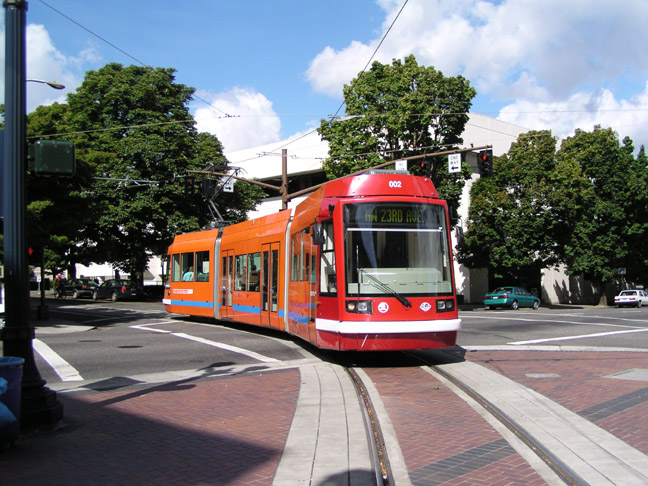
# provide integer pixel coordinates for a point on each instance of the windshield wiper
(386, 289)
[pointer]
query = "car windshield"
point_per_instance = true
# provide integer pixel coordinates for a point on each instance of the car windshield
(629, 292)
(502, 290)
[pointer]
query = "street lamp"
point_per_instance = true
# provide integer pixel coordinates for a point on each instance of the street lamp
(39, 405)
(51, 84)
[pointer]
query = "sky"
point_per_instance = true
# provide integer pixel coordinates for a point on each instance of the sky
(265, 71)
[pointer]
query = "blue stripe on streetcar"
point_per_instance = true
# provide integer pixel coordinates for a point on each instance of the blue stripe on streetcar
(192, 303)
(249, 309)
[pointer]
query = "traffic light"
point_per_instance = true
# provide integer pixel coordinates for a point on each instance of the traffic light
(485, 163)
(425, 167)
(190, 186)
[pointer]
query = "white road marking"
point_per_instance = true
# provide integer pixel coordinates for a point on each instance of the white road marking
(583, 336)
(553, 321)
(234, 349)
(144, 327)
(62, 368)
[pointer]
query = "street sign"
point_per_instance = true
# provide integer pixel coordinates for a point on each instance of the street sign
(400, 164)
(454, 163)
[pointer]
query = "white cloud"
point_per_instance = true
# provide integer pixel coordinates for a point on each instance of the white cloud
(44, 62)
(251, 120)
(628, 117)
(535, 56)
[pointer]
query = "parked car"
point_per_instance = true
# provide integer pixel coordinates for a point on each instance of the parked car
(636, 298)
(513, 297)
(116, 289)
(77, 288)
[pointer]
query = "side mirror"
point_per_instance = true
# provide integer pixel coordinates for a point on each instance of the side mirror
(318, 234)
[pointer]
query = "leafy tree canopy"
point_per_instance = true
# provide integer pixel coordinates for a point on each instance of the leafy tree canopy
(510, 226)
(610, 223)
(399, 110)
(584, 206)
(135, 142)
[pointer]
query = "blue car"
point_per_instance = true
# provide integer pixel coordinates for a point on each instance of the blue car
(513, 297)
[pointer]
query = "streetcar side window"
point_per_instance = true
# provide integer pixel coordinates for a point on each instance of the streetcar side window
(187, 267)
(202, 266)
(294, 258)
(328, 278)
(254, 267)
(240, 272)
(175, 268)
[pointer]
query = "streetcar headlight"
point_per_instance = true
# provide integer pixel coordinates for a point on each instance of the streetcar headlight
(445, 305)
(359, 306)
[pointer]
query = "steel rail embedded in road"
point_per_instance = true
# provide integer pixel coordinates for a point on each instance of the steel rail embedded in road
(377, 444)
(566, 474)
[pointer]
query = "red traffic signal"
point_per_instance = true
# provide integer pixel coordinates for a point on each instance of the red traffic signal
(190, 185)
(485, 163)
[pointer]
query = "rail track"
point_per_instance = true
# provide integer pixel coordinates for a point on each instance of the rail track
(431, 363)
(568, 476)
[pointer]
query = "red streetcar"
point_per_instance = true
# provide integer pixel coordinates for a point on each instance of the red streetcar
(364, 264)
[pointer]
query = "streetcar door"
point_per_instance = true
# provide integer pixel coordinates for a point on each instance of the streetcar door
(269, 284)
(312, 293)
(227, 279)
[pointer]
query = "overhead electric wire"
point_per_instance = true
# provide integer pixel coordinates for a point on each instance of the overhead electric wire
(363, 70)
(227, 115)
(124, 52)
(377, 47)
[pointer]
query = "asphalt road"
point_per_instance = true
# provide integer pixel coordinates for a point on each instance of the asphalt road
(105, 344)
(601, 326)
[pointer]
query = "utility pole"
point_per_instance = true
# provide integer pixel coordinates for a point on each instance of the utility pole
(284, 179)
(40, 406)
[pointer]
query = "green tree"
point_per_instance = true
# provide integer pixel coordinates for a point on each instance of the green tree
(57, 207)
(511, 226)
(610, 226)
(399, 110)
(133, 129)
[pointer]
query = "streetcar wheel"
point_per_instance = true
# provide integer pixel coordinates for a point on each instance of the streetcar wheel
(515, 305)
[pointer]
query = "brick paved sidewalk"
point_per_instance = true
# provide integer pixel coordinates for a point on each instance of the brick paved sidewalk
(218, 431)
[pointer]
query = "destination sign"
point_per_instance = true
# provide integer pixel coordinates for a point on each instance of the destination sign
(391, 214)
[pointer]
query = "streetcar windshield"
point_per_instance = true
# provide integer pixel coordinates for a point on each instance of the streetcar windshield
(396, 248)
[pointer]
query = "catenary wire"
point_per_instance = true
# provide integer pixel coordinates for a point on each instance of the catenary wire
(227, 115)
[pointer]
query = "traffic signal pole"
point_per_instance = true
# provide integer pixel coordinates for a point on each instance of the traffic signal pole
(39, 405)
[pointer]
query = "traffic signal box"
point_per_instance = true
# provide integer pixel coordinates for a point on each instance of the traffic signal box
(190, 185)
(485, 163)
(52, 158)
(425, 167)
